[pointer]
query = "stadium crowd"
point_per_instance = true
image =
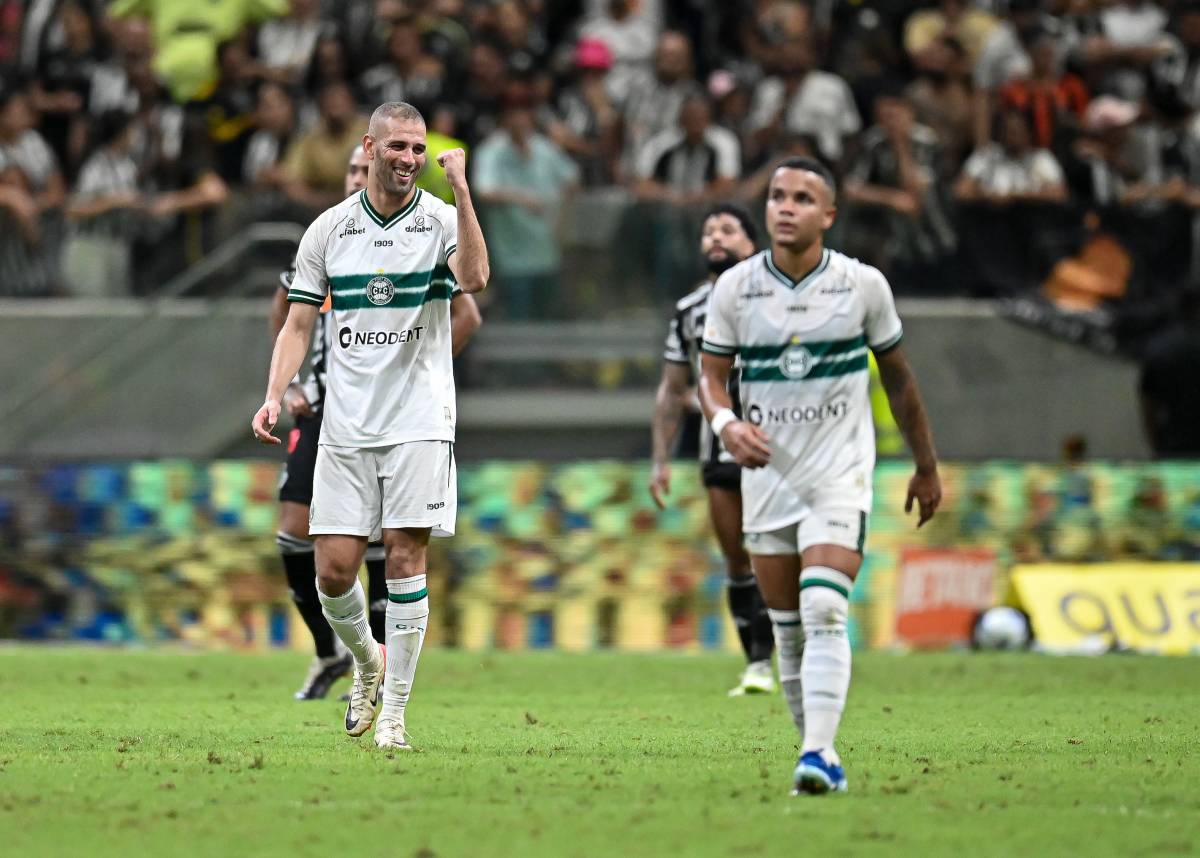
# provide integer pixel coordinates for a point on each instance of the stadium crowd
(1053, 144)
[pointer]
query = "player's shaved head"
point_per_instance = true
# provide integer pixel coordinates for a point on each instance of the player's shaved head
(398, 110)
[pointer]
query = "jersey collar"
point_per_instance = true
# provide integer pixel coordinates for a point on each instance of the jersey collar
(803, 281)
(396, 216)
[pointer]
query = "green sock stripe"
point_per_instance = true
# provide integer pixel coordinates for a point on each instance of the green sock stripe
(821, 582)
(788, 622)
(405, 598)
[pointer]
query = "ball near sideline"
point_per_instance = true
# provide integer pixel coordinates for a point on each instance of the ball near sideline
(1002, 628)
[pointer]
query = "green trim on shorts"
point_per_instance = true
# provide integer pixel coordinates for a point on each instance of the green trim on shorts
(862, 531)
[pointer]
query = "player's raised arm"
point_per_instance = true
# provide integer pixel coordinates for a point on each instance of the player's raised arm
(904, 397)
(290, 348)
(469, 263)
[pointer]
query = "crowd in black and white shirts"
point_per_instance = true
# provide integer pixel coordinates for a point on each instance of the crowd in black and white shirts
(944, 120)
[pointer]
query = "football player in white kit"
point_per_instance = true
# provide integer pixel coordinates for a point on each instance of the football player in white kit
(389, 257)
(801, 319)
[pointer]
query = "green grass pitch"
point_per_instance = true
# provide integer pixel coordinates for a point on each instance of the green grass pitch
(108, 752)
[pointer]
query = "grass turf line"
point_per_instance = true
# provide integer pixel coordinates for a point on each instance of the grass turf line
(109, 752)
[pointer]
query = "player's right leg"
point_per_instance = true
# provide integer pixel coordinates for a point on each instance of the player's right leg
(345, 512)
(331, 661)
(776, 562)
(746, 605)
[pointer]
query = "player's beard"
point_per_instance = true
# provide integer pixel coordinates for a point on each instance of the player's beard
(719, 265)
(387, 177)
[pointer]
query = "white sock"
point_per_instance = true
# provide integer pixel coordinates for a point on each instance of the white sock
(407, 618)
(789, 643)
(825, 668)
(347, 616)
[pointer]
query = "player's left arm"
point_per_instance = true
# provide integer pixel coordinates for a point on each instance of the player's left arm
(904, 397)
(469, 263)
(883, 332)
(465, 320)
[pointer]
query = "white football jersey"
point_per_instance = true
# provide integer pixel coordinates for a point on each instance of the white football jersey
(805, 378)
(390, 378)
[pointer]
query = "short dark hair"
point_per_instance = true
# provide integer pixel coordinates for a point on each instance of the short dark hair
(738, 213)
(811, 165)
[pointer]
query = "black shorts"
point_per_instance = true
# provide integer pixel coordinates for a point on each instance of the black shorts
(297, 483)
(722, 475)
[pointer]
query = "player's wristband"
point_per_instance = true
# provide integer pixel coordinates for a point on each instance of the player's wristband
(722, 419)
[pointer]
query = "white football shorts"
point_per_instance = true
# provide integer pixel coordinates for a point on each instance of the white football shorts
(844, 526)
(359, 491)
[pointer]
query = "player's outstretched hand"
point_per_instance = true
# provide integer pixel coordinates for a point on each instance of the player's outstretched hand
(660, 484)
(264, 421)
(925, 488)
(454, 162)
(748, 444)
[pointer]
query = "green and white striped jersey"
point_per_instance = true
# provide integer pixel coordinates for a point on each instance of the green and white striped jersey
(390, 375)
(803, 350)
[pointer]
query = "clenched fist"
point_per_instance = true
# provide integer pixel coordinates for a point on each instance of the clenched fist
(454, 162)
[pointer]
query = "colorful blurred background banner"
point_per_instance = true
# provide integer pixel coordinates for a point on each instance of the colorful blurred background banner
(1089, 609)
(575, 556)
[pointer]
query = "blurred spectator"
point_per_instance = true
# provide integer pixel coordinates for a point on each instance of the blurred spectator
(1010, 230)
(112, 86)
(893, 192)
(24, 271)
(522, 178)
(187, 193)
(943, 99)
(1135, 176)
(408, 73)
(1120, 45)
(275, 124)
(631, 36)
(956, 19)
(286, 45)
(229, 109)
(691, 165)
(1006, 55)
(587, 123)
(1169, 393)
(1181, 71)
(480, 101)
(187, 33)
(21, 146)
(316, 161)
(441, 137)
(524, 44)
(654, 101)
(102, 213)
(60, 90)
(1011, 170)
(800, 99)
(1052, 100)
(330, 64)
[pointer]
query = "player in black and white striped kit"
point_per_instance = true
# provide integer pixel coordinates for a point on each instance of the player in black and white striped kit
(727, 237)
(303, 402)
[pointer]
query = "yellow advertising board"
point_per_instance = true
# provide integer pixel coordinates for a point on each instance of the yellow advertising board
(1147, 607)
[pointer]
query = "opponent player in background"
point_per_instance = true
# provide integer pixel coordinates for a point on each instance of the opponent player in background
(726, 238)
(303, 403)
(388, 256)
(801, 319)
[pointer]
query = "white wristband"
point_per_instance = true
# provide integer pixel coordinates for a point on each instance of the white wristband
(722, 419)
